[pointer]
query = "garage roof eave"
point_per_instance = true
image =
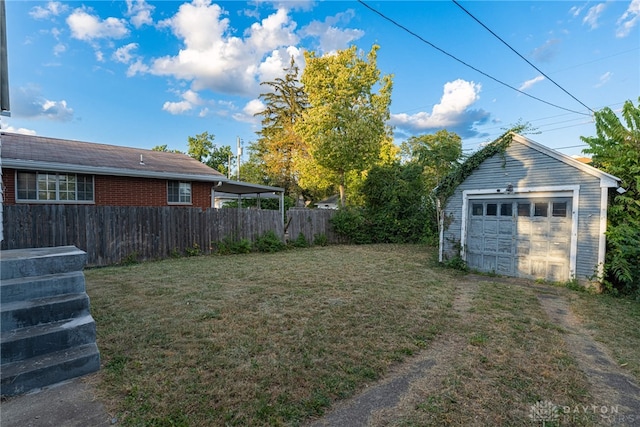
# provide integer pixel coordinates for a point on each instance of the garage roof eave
(606, 180)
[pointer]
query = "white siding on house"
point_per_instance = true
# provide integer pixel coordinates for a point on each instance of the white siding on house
(525, 167)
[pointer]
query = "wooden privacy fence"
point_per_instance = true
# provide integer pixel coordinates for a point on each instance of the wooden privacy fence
(111, 235)
(311, 223)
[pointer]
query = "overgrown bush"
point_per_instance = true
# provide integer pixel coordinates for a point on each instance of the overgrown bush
(230, 246)
(320, 239)
(615, 150)
(269, 242)
(396, 204)
(300, 242)
(350, 222)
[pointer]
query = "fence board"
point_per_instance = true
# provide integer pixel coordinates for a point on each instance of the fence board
(111, 235)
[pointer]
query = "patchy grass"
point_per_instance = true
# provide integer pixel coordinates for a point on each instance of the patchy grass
(275, 339)
(616, 323)
(260, 339)
(509, 359)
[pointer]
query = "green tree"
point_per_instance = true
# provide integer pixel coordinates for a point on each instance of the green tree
(279, 146)
(202, 148)
(345, 123)
(616, 149)
(165, 149)
(439, 154)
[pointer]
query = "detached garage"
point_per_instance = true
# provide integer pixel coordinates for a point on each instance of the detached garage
(527, 211)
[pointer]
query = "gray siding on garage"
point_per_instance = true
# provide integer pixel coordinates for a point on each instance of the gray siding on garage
(523, 166)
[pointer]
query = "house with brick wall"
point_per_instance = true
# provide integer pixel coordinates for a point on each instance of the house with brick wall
(41, 170)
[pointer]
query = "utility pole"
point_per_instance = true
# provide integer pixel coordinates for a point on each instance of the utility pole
(239, 150)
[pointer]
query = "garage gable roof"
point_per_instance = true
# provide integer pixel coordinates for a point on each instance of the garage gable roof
(62, 155)
(606, 180)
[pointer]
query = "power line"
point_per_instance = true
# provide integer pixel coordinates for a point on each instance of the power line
(397, 24)
(518, 53)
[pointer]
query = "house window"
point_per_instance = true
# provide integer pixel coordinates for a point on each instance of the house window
(492, 209)
(52, 186)
(179, 192)
(477, 209)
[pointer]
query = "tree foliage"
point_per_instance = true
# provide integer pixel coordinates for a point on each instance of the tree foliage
(279, 146)
(165, 149)
(345, 123)
(616, 149)
(202, 148)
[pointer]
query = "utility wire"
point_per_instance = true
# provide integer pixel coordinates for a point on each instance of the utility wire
(397, 24)
(518, 53)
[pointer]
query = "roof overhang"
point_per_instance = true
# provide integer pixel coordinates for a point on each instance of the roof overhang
(606, 180)
(220, 182)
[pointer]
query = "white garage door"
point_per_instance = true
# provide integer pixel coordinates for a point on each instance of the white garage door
(520, 237)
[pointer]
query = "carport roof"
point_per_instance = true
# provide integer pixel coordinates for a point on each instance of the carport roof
(32, 152)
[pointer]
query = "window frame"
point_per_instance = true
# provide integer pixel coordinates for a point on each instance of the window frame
(179, 193)
(50, 187)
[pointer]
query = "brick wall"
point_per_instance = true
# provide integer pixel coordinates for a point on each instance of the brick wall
(124, 191)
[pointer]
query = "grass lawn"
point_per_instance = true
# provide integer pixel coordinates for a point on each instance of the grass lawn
(275, 339)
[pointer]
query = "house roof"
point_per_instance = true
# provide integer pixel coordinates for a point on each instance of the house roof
(329, 200)
(62, 155)
(606, 180)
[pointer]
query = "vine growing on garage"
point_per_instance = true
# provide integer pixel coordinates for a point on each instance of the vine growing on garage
(449, 184)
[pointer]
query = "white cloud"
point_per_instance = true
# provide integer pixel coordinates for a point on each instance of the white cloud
(190, 99)
(332, 38)
(124, 54)
(604, 79)
(139, 12)
(214, 59)
(23, 131)
(59, 48)
(527, 84)
(176, 108)
(451, 113)
(575, 11)
(88, 27)
(593, 15)
(53, 8)
(137, 67)
(29, 102)
(629, 19)
(248, 112)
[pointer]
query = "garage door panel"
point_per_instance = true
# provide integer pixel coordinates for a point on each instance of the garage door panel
(523, 266)
(489, 263)
(525, 237)
(505, 265)
(505, 228)
(505, 246)
(490, 226)
(540, 229)
(539, 268)
(557, 271)
(490, 244)
(523, 247)
(539, 247)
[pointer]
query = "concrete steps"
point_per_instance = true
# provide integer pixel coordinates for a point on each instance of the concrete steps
(47, 334)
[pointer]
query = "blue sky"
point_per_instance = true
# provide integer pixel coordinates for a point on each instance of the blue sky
(146, 73)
